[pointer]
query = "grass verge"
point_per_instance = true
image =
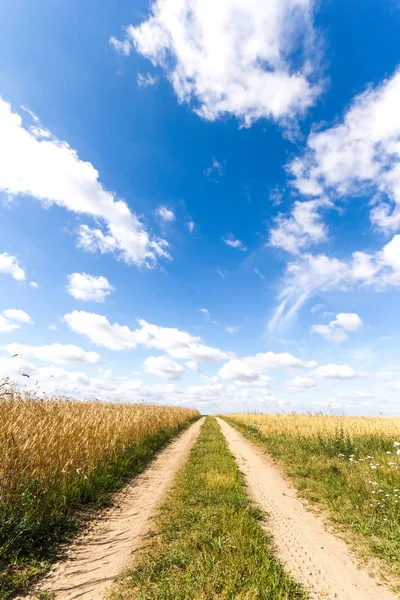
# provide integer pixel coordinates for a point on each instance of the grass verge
(32, 529)
(355, 479)
(207, 542)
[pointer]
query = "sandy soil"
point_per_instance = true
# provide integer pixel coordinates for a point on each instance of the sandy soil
(95, 559)
(315, 558)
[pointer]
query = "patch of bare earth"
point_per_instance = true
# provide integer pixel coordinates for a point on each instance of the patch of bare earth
(97, 557)
(316, 558)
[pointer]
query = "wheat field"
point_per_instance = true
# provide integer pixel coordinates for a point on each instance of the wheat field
(320, 425)
(59, 440)
(61, 457)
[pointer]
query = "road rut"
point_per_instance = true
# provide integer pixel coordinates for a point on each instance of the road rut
(96, 559)
(315, 557)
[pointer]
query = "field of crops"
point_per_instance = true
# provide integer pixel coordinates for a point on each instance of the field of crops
(58, 456)
(348, 465)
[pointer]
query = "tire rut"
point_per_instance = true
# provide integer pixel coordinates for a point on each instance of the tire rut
(317, 559)
(96, 558)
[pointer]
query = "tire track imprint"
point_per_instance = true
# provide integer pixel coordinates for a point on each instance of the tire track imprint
(315, 557)
(96, 558)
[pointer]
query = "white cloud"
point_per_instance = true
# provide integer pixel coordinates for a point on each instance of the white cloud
(302, 228)
(251, 368)
(205, 312)
(233, 243)
(16, 314)
(190, 226)
(34, 285)
(15, 366)
(355, 395)
(9, 264)
(333, 371)
(334, 334)
(231, 328)
(216, 171)
(162, 366)
(123, 47)
(301, 383)
(313, 273)
(259, 274)
(175, 342)
(165, 214)
(101, 332)
(146, 80)
(11, 318)
(51, 171)
(349, 321)
(335, 330)
(232, 57)
(180, 344)
(6, 325)
(192, 366)
(58, 354)
(88, 287)
(359, 155)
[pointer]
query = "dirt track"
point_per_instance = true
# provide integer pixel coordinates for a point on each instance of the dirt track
(96, 559)
(316, 558)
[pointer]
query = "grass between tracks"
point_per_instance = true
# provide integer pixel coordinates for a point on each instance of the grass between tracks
(207, 541)
(349, 466)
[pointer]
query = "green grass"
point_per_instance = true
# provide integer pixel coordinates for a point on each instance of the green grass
(336, 474)
(207, 541)
(32, 530)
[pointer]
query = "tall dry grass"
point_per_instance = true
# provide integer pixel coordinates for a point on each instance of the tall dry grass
(58, 456)
(319, 425)
(60, 439)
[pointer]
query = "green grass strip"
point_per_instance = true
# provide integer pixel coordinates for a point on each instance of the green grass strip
(335, 474)
(207, 541)
(32, 530)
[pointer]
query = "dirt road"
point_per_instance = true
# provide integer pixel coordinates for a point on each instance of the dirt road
(96, 559)
(316, 558)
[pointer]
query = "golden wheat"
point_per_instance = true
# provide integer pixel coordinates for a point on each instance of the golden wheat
(318, 425)
(57, 439)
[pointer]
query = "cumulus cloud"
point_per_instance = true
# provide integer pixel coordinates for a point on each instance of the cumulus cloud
(162, 366)
(59, 354)
(333, 371)
(11, 319)
(313, 273)
(336, 329)
(301, 383)
(165, 214)
(234, 243)
(34, 285)
(175, 342)
(301, 228)
(251, 368)
(360, 154)
(9, 264)
(16, 314)
(247, 59)
(101, 332)
(49, 170)
(180, 344)
(88, 287)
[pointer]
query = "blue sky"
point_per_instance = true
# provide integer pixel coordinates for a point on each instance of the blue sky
(202, 207)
